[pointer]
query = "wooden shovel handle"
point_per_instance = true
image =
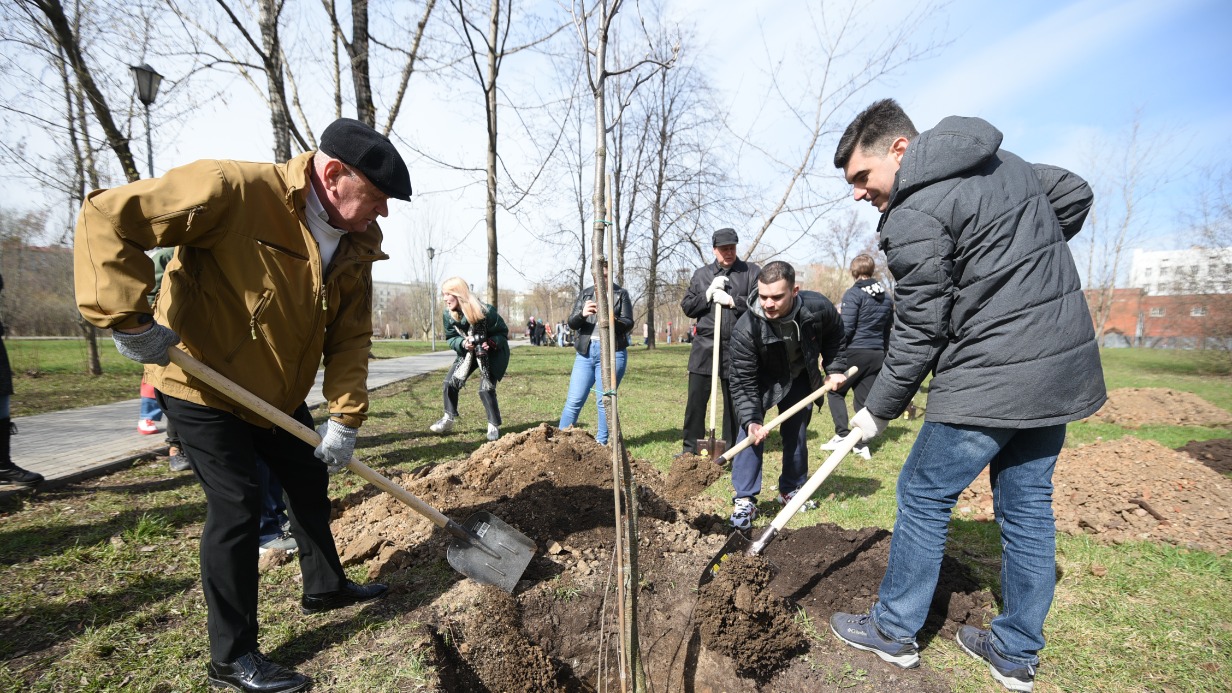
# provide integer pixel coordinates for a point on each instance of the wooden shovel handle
(714, 361)
(791, 411)
(267, 411)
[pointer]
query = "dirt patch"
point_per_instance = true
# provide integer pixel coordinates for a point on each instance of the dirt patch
(740, 618)
(1131, 489)
(558, 630)
(690, 475)
(1215, 454)
(1140, 406)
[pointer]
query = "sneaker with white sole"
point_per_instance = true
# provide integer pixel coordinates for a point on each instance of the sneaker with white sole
(445, 425)
(977, 642)
(744, 511)
(784, 499)
(862, 451)
(832, 444)
(146, 427)
(493, 432)
(859, 631)
(285, 542)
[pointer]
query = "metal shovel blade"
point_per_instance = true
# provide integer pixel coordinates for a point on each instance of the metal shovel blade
(736, 544)
(711, 447)
(494, 553)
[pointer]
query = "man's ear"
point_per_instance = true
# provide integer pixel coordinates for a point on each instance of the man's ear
(795, 290)
(899, 147)
(332, 171)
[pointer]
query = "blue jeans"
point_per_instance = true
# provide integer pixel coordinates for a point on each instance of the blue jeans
(945, 460)
(150, 410)
(587, 370)
(273, 508)
(746, 467)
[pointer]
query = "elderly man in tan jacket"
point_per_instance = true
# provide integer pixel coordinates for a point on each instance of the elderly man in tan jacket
(273, 272)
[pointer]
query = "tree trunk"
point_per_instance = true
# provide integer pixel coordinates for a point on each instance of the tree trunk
(67, 41)
(280, 119)
(490, 92)
(359, 63)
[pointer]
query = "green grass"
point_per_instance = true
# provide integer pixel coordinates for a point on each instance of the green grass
(99, 583)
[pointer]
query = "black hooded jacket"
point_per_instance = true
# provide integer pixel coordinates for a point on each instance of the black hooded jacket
(760, 369)
(987, 295)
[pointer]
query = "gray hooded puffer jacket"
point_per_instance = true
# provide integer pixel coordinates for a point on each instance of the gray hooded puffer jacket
(987, 294)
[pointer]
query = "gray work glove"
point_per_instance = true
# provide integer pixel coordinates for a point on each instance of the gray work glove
(723, 298)
(869, 425)
(147, 347)
(717, 284)
(337, 445)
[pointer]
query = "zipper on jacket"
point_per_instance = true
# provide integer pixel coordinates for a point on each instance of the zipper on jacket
(280, 249)
(161, 218)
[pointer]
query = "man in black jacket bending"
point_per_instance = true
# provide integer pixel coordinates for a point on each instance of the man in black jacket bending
(728, 282)
(775, 348)
(989, 301)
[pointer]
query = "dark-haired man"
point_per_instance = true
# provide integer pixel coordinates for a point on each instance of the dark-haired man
(727, 282)
(775, 349)
(273, 272)
(988, 300)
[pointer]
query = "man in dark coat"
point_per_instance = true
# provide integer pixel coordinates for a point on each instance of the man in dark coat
(729, 282)
(988, 299)
(9, 472)
(775, 347)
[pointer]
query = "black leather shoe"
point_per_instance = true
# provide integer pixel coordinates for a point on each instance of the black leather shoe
(17, 476)
(350, 593)
(253, 672)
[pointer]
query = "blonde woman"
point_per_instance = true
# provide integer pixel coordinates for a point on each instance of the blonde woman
(481, 339)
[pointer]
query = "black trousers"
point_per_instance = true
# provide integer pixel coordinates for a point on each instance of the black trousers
(695, 419)
(869, 363)
(223, 450)
(486, 395)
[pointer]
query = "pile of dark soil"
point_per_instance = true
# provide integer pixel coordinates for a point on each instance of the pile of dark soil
(690, 475)
(1140, 406)
(1216, 454)
(558, 629)
(1131, 489)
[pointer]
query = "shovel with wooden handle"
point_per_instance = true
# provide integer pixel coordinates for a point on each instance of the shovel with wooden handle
(728, 456)
(483, 548)
(737, 543)
(709, 446)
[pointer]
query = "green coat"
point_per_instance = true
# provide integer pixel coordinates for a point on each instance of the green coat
(496, 330)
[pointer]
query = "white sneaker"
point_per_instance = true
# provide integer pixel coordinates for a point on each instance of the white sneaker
(832, 444)
(493, 432)
(862, 451)
(146, 427)
(743, 513)
(445, 425)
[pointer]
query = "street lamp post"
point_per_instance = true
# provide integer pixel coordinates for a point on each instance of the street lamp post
(432, 294)
(147, 90)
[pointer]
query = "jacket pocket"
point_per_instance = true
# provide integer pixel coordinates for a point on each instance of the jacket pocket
(255, 328)
(279, 249)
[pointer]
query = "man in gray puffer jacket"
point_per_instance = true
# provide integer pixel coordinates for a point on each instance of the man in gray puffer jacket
(989, 301)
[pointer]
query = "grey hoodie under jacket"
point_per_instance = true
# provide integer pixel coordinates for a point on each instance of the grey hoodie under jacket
(987, 298)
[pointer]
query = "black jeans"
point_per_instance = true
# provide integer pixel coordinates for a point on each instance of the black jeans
(486, 395)
(223, 451)
(869, 363)
(695, 419)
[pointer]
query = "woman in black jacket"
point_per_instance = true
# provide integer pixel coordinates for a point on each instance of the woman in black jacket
(867, 314)
(587, 365)
(481, 338)
(9, 472)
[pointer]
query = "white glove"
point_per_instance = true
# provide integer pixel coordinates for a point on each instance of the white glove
(717, 284)
(337, 445)
(869, 425)
(723, 298)
(147, 347)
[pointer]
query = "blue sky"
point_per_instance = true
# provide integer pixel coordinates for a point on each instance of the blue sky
(1054, 76)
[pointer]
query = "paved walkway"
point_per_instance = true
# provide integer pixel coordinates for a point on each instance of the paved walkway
(68, 445)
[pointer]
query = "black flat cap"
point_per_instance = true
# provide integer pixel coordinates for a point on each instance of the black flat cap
(371, 153)
(725, 237)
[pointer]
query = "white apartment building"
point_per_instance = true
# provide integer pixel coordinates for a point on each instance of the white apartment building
(1173, 272)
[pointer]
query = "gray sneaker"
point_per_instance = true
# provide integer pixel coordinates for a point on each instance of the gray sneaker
(178, 461)
(859, 631)
(445, 425)
(744, 511)
(286, 542)
(977, 642)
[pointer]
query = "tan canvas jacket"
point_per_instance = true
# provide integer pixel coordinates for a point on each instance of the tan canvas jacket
(244, 291)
